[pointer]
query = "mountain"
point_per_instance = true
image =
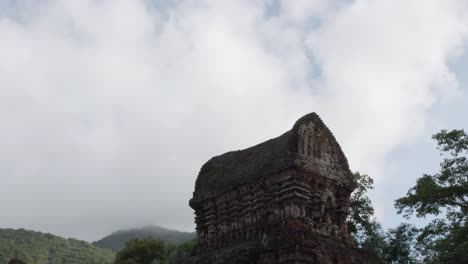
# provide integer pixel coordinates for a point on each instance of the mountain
(36, 247)
(116, 241)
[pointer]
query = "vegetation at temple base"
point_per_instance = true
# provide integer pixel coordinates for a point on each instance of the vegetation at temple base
(35, 247)
(148, 251)
(444, 195)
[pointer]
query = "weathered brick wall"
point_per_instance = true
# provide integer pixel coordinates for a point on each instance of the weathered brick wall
(289, 205)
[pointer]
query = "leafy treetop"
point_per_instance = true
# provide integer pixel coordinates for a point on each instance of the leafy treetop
(443, 194)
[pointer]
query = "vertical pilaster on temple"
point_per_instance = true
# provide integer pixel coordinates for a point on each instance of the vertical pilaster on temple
(282, 201)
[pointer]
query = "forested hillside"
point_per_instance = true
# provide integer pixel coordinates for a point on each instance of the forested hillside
(35, 247)
(116, 241)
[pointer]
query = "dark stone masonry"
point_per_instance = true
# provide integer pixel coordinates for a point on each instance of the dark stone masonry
(282, 201)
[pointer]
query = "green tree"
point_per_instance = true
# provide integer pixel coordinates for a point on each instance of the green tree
(179, 252)
(393, 246)
(360, 220)
(366, 232)
(400, 245)
(444, 195)
(142, 251)
(373, 240)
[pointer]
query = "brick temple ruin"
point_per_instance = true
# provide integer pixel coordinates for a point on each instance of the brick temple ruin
(282, 201)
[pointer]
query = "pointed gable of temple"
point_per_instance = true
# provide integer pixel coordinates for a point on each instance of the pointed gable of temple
(309, 145)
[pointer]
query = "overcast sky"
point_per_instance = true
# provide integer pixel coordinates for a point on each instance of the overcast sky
(109, 108)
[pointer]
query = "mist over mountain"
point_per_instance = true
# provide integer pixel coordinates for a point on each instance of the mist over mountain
(116, 241)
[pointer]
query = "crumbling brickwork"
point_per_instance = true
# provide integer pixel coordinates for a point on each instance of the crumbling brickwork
(283, 201)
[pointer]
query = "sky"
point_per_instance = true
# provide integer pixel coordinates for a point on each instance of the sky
(108, 108)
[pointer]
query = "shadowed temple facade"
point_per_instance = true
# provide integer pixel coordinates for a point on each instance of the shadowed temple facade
(284, 201)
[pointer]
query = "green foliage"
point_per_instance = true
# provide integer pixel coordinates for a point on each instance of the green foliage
(145, 251)
(360, 218)
(400, 245)
(373, 240)
(396, 245)
(365, 231)
(35, 247)
(444, 194)
(181, 251)
(149, 251)
(116, 241)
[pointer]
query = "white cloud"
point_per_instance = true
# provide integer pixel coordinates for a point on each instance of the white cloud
(109, 108)
(384, 64)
